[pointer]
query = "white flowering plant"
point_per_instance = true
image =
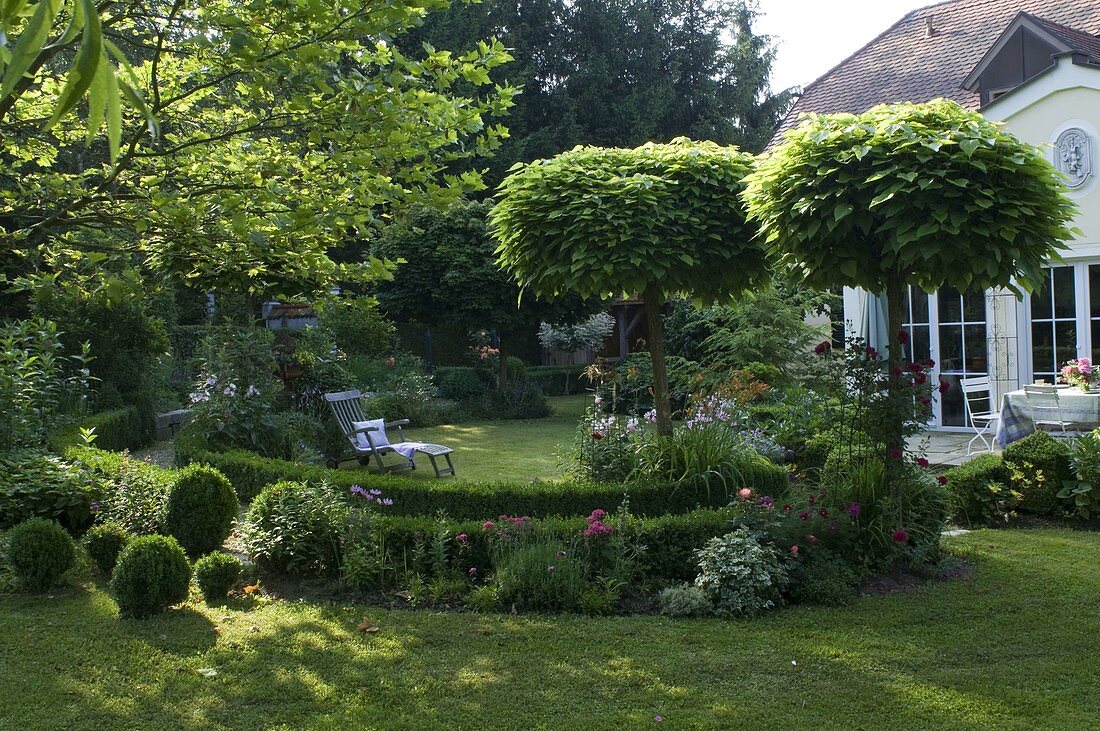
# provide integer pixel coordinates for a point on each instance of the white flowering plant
(741, 574)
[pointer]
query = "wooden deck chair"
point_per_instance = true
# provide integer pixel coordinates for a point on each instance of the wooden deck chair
(368, 438)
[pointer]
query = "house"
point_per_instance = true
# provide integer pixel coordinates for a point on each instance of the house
(1033, 65)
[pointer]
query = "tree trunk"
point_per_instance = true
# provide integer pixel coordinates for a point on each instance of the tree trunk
(895, 437)
(653, 301)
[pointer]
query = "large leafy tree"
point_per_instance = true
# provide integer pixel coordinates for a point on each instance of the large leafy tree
(928, 195)
(620, 73)
(659, 220)
(448, 277)
(283, 129)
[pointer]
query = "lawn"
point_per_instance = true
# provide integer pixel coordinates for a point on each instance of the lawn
(1018, 646)
(506, 450)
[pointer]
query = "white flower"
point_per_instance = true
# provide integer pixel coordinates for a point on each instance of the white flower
(252, 391)
(650, 416)
(598, 400)
(631, 424)
(212, 381)
(199, 396)
(230, 390)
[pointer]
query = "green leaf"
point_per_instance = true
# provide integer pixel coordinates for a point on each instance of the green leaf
(83, 71)
(29, 45)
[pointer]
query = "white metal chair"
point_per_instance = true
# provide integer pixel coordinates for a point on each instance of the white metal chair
(1042, 401)
(978, 400)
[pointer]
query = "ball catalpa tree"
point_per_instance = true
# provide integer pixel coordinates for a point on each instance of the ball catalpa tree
(657, 220)
(928, 195)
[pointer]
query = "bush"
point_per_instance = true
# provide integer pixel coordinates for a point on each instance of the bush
(824, 578)
(357, 325)
(40, 552)
(216, 573)
(458, 383)
(1039, 464)
(741, 575)
(685, 600)
(152, 574)
(540, 575)
(557, 380)
(250, 473)
(294, 527)
(121, 428)
(979, 491)
(37, 484)
(1082, 497)
(201, 509)
(133, 493)
(104, 543)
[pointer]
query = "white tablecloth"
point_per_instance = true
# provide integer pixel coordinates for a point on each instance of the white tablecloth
(1017, 419)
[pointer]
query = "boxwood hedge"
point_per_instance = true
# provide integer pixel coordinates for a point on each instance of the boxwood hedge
(249, 473)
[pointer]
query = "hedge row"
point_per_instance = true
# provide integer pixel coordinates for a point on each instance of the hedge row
(459, 382)
(116, 430)
(249, 473)
(669, 540)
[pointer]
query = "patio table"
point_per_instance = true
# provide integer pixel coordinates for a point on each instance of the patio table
(1017, 421)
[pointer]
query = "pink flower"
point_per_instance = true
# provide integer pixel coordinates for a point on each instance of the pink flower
(745, 493)
(472, 571)
(766, 502)
(794, 550)
(854, 509)
(595, 515)
(597, 528)
(942, 480)
(788, 507)
(900, 536)
(944, 386)
(922, 461)
(551, 569)
(487, 525)
(811, 538)
(560, 554)
(597, 435)
(462, 538)
(871, 352)
(823, 347)
(896, 453)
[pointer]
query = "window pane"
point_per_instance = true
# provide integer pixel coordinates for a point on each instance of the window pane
(1042, 347)
(951, 403)
(1040, 303)
(920, 305)
(1096, 341)
(922, 349)
(951, 347)
(950, 305)
(975, 349)
(974, 306)
(1094, 290)
(1064, 302)
(1065, 338)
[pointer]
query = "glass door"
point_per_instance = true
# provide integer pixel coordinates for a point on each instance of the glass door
(1054, 326)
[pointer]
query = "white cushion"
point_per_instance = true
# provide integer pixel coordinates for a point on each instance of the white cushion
(377, 437)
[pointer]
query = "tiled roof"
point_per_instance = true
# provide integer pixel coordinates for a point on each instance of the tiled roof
(1077, 40)
(906, 63)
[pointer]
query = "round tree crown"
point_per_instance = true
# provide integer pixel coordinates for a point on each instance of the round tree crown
(611, 221)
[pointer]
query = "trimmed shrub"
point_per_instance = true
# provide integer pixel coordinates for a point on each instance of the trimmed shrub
(1039, 464)
(216, 573)
(250, 473)
(295, 527)
(979, 491)
(558, 380)
(40, 552)
(201, 509)
(458, 383)
(741, 575)
(104, 543)
(152, 574)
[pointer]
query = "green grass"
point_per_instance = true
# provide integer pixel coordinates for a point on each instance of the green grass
(1016, 647)
(506, 450)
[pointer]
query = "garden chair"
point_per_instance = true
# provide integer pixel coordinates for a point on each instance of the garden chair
(978, 400)
(1046, 412)
(368, 438)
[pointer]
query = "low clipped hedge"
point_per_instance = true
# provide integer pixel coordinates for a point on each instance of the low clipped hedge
(461, 382)
(980, 491)
(116, 430)
(250, 473)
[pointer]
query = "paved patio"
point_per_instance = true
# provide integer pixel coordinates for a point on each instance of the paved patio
(947, 448)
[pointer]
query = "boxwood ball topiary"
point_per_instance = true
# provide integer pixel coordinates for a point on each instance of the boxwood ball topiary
(216, 573)
(39, 552)
(152, 574)
(201, 509)
(104, 543)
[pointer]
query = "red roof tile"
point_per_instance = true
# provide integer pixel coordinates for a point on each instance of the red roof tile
(906, 63)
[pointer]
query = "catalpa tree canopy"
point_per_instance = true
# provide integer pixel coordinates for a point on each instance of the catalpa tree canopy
(932, 193)
(607, 222)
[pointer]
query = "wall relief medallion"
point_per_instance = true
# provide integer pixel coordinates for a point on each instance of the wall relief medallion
(1073, 156)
